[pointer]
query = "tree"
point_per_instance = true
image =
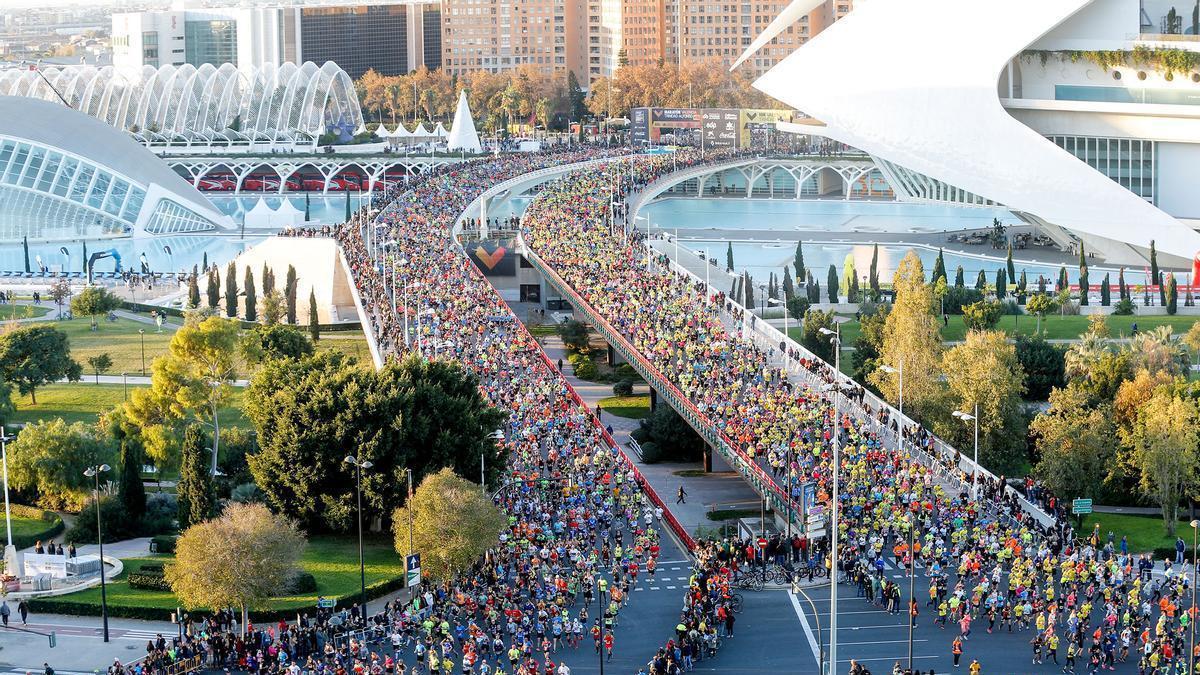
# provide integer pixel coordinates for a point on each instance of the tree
(420, 415)
(849, 273)
(1162, 452)
(251, 299)
(959, 282)
(813, 339)
(729, 257)
(798, 261)
(982, 315)
(49, 458)
(1092, 365)
(452, 523)
(34, 355)
(240, 559)
(1134, 394)
(911, 336)
(1106, 291)
(789, 288)
(1098, 326)
(99, 364)
(574, 335)
(59, 292)
(1043, 364)
(1172, 295)
(268, 279)
(94, 301)
(275, 341)
(831, 284)
(314, 325)
(130, 490)
(1022, 285)
(1040, 304)
(1153, 262)
(664, 436)
(981, 282)
(193, 292)
(197, 497)
(214, 289)
(873, 279)
(273, 307)
(1157, 350)
(1001, 284)
(231, 291)
(939, 266)
(1084, 285)
(868, 346)
(1122, 289)
(1074, 441)
(747, 290)
(1012, 271)
(289, 292)
(1192, 338)
(984, 371)
(1063, 283)
(576, 98)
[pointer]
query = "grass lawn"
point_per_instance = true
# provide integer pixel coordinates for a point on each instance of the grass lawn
(12, 312)
(119, 339)
(333, 562)
(632, 407)
(84, 401)
(1145, 533)
(28, 527)
(351, 343)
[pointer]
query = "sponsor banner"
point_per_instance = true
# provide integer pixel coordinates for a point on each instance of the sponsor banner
(639, 126)
(493, 258)
(720, 128)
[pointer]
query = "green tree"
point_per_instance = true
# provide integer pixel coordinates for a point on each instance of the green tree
(214, 289)
(99, 363)
(911, 336)
(982, 315)
(1084, 286)
(959, 282)
(197, 497)
(1044, 366)
(314, 324)
(748, 290)
(1172, 295)
(1022, 286)
(1012, 271)
(574, 335)
(576, 98)
(984, 371)
(1122, 289)
(1153, 261)
(789, 288)
(813, 339)
(289, 293)
(1106, 291)
(452, 524)
(35, 355)
(1162, 452)
(193, 292)
(798, 261)
(873, 279)
(1040, 304)
(1001, 284)
(1096, 368)
(268, 280)
(831, 284)
(251, 300)
(869, 344)
(275, 341)
(273, 308)
(939, 267)
(94, 301)
(48, 459)
(729, 257)
(131, 492)
(1074, 441)
(665, 437)
(1157, 351)
(231, 291)
(241, 559)
(981, 282)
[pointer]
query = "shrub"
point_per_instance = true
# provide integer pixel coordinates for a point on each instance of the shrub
(161, 511)
(623, 388)
(301, 583)
(666, 437)
(626, 371)
(982, 315)
(247, 493)
(163, 544)
(574, 335)
(150, 577)
(585, 367)
(115, 522)
(1124, 307)
(957, 296)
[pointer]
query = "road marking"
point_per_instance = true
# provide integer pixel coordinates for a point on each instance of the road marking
(670, 588)
(812, 641)
(654, 588)
(681, 578)
(886, 658)
(878, 642)
(886, 625)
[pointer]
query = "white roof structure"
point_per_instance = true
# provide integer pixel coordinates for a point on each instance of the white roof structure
(421, 131)
(934, 116)
(440, 131)
(401, 132)
(186, 105)
(462, 134)
(382, 132)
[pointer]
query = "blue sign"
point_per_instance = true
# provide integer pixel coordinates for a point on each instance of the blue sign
(808, 498)
(412, 570)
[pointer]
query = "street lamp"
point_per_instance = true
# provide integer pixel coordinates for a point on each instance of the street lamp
(899, 373)
(4, 439)
(359, 465)
(967, 417)
(94, 472)
(835, 339)
(1192, 619)
(912, 571)
(142, 333)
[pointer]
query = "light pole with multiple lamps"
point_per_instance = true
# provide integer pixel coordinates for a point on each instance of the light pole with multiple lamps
(94, 472)
(142, 333)
(359, 465)
(835, 339)
(968, 417)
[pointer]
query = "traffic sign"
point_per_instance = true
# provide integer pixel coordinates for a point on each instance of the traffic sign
(326, 603)
(1080, 507)
(412, 567)
(762, 542)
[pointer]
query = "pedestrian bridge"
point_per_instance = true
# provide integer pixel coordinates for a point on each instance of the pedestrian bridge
(373, 168)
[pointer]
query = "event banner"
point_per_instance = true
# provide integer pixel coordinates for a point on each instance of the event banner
(639, 127)
(493, 258)
(720, 127)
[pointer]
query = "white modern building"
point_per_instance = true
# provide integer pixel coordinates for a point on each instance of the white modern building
(1080, 116)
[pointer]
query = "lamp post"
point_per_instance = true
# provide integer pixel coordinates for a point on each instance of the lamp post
(4, 439)
(142, 334)
(835, 339)
(1192, 611)
(912, 571)
(359, 465)
(899, 373)
(967, 417)
(94, 472)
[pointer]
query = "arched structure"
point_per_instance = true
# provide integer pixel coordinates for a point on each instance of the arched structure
(375, 168)
(205, 106)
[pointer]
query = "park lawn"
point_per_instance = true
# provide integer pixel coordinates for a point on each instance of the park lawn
(12, 312)
(332, 560)
(631, 407)
(1145, 532)
(84, 401)
(119, 339)
(27, 527)
(350, 343)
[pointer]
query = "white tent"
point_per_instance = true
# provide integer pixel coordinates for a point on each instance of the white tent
(382, 132)
(440, 131)
(263, 215)
(463, 135)
(421, 131)
(401, 132)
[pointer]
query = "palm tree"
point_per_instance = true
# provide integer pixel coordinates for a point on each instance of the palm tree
(1158, 350)
(1085, 354)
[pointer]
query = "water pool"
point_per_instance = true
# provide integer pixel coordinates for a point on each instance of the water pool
(185, 251)
(323, 209)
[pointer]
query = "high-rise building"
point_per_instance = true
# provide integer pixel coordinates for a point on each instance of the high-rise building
(392, 37)
(500, 35)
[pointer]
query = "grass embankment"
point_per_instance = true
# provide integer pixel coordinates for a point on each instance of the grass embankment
(332, 560)
(631, 407)
(84, 401)
(1145, 533)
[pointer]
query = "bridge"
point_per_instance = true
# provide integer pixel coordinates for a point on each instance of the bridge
(284, 166)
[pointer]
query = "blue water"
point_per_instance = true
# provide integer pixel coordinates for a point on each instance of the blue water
(817, 215)
(323, 209)
(186, 251)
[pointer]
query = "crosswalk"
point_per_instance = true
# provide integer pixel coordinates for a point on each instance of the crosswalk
(672, 578)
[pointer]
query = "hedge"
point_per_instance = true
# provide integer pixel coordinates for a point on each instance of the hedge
(163, 543)
(54, 525)
(150, 578)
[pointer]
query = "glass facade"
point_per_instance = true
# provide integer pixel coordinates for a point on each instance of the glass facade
(919, 186)
(357, 37)
(171, 218)
(150, 48)
(1129, 162)
(1072, 92)
(213, 42)
(431, 31)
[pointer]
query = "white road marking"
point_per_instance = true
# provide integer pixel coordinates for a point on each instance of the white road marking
(812, 640)
(878, 642)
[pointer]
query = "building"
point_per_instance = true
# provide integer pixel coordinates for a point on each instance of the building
(205, 105)
(392, 37)
(501, 35)
(1080, 116)
(94, 182)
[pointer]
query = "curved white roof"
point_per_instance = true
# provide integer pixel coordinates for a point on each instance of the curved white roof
(462, 133)
(935, 109)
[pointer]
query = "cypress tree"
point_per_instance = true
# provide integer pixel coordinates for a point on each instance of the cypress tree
(214, 288)
(1153, 261)
(814, 296)
(289, 291)
(854, 290)
(1041, 284)
(268, 280)
(980, 281)
(1012, 271)
(197, 498)
(1122, 289)
(789, 288)
(131, 491)
(772, 290)
(1063, 281)
(798, 261)
(729, 257)
(1105, 292)
(314, 326)
(748, 290)
(251, 299)
(205, 265)
(231, 291)
(831, 284)
(193, 292)
(1022, 286)
(959, 280)
(1084, 285)
(939, 266)
(1172, 294)
(873, 279)
(1001, 283)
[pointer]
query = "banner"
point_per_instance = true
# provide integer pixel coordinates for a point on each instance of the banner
(639, 126)
(720, 128)
(493, 258)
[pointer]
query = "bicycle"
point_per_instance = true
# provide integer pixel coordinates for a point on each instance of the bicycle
(751, 581)
(781, 574)
(736, 603)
